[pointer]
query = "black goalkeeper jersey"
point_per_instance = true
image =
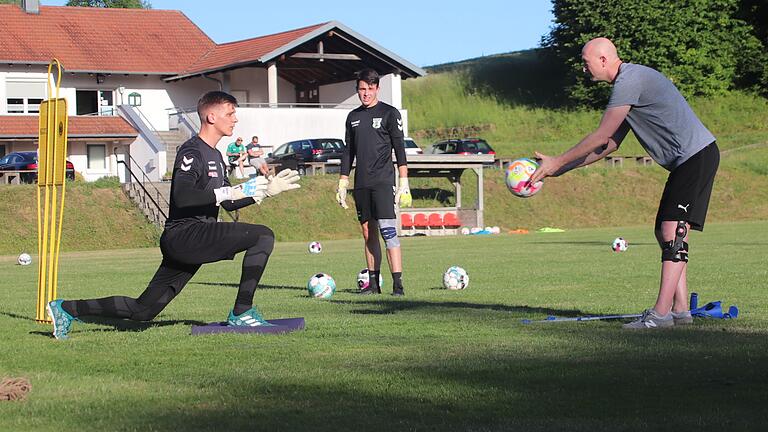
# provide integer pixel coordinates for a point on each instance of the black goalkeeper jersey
(372, 134)
(197, 171)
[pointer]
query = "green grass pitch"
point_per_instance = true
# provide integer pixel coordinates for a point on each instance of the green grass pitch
(434, 360)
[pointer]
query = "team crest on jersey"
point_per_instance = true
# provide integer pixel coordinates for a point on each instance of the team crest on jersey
(377, 122)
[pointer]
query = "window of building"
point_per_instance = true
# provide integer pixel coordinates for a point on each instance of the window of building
(134, 99)
(33, 105)
(94, 102)
(15, 105)
(97, 156)
(23, 96)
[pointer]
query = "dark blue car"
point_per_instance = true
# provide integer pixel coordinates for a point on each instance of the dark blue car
(24, 161)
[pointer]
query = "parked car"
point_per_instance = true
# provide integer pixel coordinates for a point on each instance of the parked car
(411, 148)
(22, 161)
(466, 146)
(295, 154)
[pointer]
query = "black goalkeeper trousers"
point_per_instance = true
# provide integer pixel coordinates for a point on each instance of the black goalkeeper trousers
(185, 248)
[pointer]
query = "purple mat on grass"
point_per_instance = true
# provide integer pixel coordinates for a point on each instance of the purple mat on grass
(284, 325)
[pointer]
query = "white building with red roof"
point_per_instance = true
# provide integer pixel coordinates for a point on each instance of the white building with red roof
(132, 78)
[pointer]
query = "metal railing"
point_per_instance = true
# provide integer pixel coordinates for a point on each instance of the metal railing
(324, 105)
(136, 118)
(143, 182)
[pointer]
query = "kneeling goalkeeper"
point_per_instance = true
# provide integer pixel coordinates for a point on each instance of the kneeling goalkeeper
(193, 236)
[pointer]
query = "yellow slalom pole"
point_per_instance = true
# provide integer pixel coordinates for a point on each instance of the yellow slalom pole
(60, 136)
(43, 163)
(40, 312)
(51, 174)
(54, 192)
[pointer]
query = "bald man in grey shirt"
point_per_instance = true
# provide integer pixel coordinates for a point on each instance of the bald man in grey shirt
(649, 104)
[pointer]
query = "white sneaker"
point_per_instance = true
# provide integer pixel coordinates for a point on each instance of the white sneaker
(651, 320)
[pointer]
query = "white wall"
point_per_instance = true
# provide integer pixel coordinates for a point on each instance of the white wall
(153, 165)
(343, 93)
(390, 92)
(254, 81)
(78, 155)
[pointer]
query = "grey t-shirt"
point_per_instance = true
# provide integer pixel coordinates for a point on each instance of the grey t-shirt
(661, 119)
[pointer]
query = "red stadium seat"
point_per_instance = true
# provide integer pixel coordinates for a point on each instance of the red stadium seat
(435, 220)
(406, 220)
(450, 220)
(420, 220)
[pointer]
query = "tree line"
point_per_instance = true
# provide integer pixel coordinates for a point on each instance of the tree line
(706, 47)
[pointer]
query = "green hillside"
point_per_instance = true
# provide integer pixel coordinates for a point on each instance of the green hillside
(102, 218)
(508, 99)
(96, 216)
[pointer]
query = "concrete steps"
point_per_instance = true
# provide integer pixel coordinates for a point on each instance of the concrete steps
(172, 139)
(152, 199)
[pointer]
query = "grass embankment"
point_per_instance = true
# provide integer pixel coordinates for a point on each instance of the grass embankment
(97, 218)
(434, 360)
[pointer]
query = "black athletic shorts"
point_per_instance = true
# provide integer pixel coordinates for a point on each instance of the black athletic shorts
(688, 189)
(199, 242)
(377, 202)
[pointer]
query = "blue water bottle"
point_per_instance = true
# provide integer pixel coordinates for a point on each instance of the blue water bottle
(694, 301)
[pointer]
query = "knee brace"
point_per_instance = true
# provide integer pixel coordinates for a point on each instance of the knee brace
(676, 250)
(388, 231)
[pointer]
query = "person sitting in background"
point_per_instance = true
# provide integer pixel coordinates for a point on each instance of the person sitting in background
(256, 156)
(236, 156)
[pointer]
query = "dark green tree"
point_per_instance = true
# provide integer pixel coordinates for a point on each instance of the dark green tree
(753, 70)
(696, 43)
(123, 4)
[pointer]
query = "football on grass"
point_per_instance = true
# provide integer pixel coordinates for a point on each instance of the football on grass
(455, 278)
(321, 286)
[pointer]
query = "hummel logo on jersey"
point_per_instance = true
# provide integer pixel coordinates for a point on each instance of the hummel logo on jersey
(685, 209)
(186, 163)
(355, 123)
(212, 171)
(376, 122)
(400, 124)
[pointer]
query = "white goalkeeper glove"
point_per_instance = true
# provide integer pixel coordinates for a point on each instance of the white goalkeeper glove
(255, 188)
(227, 193)
(285, 180)
(403, 196)
(341, 193)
